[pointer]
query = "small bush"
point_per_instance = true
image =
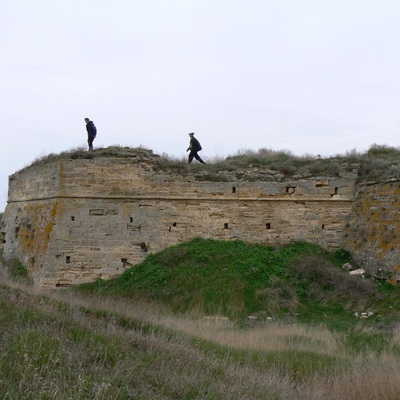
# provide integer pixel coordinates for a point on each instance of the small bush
(381, 151)
(18, 271)
(319, 280)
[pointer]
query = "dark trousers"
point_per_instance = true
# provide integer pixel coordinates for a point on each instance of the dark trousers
(193, 154)
(90, 141)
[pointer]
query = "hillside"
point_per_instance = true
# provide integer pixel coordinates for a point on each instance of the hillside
(158, 332)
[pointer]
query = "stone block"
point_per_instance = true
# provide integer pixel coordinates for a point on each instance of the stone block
(326, 190)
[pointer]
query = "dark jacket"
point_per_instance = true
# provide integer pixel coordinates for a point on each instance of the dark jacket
(194, 145)
(91, 129)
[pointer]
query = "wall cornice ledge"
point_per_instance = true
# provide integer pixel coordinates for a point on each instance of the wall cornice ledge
(333, 199)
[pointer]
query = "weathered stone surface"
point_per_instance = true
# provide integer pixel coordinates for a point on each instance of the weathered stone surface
(73, 221)
(374, 227)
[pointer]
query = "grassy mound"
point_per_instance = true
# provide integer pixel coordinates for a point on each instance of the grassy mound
(236, 279)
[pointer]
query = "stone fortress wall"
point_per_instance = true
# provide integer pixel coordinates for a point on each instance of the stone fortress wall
(73, 221)
(374, 229)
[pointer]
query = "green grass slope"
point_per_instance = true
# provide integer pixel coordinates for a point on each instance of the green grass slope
(231, 278)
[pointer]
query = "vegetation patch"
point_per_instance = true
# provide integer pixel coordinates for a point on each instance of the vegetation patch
(380, 162)
(15, 270)
(299, 281)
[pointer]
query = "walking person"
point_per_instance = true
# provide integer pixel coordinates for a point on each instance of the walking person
(91, 131)
(194, 147)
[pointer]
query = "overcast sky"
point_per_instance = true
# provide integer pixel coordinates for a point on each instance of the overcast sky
(308, 76)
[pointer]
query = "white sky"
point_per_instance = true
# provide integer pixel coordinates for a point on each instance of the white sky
(309, 76)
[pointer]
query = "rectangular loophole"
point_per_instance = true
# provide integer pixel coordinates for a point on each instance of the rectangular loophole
(68, 259)
(125, 263)
(234, 189)
(226, 226)
(143, 247)
(268, 225)
(97, 211)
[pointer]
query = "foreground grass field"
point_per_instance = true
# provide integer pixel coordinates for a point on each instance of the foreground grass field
(166, 330)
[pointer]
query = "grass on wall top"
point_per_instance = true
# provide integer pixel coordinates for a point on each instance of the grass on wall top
(379, 163)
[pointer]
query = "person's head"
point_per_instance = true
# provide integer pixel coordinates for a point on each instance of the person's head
(87, 119)
(191, 134)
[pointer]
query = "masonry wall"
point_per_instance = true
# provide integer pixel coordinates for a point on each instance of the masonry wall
(73, 221)
(374, 229)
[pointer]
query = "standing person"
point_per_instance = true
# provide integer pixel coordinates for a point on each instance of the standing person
(91, 131)
(194, 147)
